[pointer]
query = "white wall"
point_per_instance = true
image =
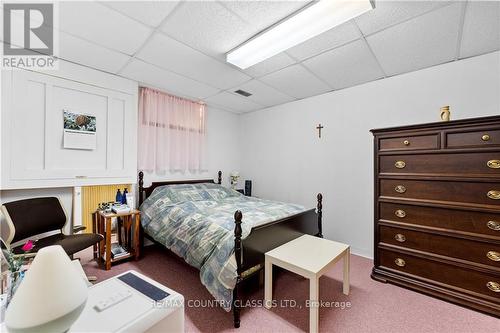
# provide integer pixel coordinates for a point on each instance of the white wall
(223, 149)
(287, 161)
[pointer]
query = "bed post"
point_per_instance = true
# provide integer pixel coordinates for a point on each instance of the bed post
(219, 178)
(320, 214)
(141, 187)
(238, 216)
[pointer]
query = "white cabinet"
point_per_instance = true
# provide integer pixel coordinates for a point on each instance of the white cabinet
(33, 154)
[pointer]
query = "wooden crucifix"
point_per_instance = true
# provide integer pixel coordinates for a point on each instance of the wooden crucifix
(319, 128)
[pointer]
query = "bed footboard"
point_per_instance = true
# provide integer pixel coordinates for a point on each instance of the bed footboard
(249, 253)
(237, 253)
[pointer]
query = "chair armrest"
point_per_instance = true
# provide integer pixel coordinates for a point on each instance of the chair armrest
(78, 228)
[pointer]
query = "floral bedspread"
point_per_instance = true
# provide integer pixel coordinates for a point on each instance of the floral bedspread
(196, 221)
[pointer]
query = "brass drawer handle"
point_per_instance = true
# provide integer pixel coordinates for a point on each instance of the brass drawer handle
(400, 262)
(493, 164)
(485, 137)
(401, 238)
(400, 213)
(402, 189)
(400, 164)
(494, 194)
(406, 142)
(493, 225)
(493, 286)
(493, 255)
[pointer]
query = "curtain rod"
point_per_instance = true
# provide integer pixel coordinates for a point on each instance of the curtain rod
(158, 91)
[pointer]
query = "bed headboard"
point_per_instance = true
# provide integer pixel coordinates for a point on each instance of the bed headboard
(145, 192)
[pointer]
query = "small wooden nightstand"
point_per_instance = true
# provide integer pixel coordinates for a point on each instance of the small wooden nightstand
(128, 235)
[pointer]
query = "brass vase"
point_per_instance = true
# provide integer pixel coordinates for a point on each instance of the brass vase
(445, 113)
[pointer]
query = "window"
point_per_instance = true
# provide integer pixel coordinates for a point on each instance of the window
(172, 133)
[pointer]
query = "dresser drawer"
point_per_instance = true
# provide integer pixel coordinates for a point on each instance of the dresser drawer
(462, 164)
(478, 252)
(411, 142)
(445, 219)
(479, 139)
(453, 192)
(486, 284)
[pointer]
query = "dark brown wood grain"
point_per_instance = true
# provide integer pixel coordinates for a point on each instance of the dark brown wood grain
(145, 192)
(465, 164)
(463, 279)
(473, 138)
(410, 142)
(432, 243)
(454, 192)
(237, 254)
(441, 226)
(447, 220)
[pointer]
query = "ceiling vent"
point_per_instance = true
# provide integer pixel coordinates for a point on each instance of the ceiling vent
(243, 93)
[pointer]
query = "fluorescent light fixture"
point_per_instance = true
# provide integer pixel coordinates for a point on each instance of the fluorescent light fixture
(308, 23)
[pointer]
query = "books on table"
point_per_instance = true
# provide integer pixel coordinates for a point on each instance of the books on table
(118, 251)
(119, 208)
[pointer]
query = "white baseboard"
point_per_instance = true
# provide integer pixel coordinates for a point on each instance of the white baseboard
(362, 253)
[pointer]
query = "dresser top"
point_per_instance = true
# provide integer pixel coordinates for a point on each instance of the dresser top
(440, 124)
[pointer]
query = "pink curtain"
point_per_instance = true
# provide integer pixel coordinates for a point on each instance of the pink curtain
(171, 133)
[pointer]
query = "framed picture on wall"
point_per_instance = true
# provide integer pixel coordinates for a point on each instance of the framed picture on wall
(79, 131)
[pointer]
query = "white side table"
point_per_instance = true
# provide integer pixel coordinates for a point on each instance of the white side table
(309, 257)
(136, 313)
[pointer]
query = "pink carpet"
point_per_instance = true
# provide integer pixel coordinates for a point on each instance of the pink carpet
(375, 307)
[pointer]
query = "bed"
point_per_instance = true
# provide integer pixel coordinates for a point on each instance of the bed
(203, 222)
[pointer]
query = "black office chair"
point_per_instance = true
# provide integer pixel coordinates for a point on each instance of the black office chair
(31, 217)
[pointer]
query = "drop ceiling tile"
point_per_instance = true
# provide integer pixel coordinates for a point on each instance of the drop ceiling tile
(102, 25)
(279, 61)
(170, 54)
(82, 52)
(421, 42)
(168, 81)
(388, 13)
(346, 66)
(481, 32)
(264, 94)
(330, 39)
(296, 81)
(150, 13)
(232, 102)
(208, 27)
(263, 14)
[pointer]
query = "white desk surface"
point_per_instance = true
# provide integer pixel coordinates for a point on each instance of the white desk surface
(134, 314)
(308, 253)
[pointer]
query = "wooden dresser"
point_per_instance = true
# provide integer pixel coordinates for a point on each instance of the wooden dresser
(437, 210)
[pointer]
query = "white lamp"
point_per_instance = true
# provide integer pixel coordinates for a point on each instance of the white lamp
(51, 296)
(235, 175)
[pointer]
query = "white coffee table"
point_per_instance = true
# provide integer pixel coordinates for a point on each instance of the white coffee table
(309, 257)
